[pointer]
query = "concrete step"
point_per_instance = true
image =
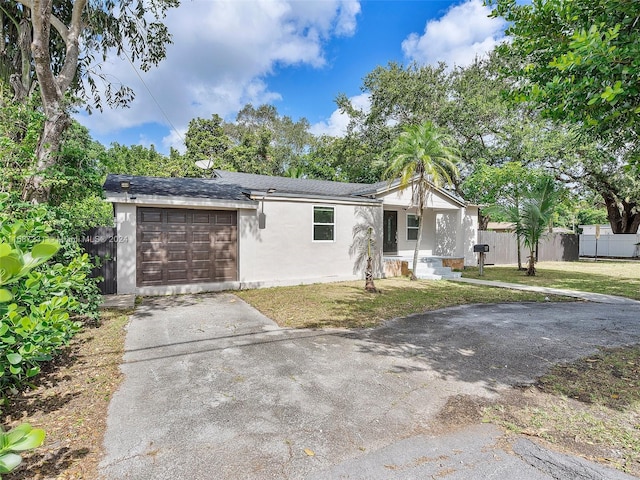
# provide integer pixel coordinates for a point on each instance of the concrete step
(430, 268)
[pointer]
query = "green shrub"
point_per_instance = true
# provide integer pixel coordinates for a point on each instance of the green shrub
(19, 439)
(40, 303)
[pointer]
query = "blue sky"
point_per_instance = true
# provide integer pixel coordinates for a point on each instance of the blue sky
(295, 54)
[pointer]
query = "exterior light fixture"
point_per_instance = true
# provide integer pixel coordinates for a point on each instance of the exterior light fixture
(125, 185)
(262, 218)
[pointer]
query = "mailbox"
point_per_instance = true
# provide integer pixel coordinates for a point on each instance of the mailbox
(481, 248)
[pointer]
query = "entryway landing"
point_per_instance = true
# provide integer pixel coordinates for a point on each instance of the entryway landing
(429, 267)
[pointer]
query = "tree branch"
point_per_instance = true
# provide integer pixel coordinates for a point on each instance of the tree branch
(68, 72)
(60, 27)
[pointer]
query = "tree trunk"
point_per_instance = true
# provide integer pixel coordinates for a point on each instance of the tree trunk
(52, 87)
(531, 271)
(519, 252)
(624, 216)
(369, 286)
(416, 252)
(36, 189)
(483, 221)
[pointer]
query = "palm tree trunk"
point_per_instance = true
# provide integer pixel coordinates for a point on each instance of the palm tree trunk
(531, 271)
(369, 286)
(416, 252)
(519, 252)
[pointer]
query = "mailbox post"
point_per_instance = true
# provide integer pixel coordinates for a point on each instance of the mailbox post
(481, 248)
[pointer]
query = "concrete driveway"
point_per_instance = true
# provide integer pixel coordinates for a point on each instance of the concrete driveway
(215, 390)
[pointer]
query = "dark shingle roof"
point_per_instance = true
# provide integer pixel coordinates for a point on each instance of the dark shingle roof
(299, 186)
(235, 186)
(175, 186)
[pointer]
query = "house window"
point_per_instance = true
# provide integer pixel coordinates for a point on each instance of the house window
(412, 227)
(323, 224)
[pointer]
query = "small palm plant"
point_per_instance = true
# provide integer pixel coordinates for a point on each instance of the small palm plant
(536, 211)
(364, 247)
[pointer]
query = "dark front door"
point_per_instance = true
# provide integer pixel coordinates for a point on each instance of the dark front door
(390, 232)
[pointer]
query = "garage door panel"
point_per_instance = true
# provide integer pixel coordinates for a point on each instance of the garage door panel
(150, 216)
(201, 237)
(151, 236)
(180, 246)
(177, 237)
(204, 256)
(225, 218)
(152, 274)
(201, 217)
(176, 255)
(177, 217)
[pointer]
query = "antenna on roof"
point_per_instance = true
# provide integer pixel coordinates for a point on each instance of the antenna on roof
(206, 165)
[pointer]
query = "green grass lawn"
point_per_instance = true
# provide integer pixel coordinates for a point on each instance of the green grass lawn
(609, 277)
(346, 304)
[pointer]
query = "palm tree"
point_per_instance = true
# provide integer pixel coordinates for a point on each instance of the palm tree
(364, 247)
(422, 157)
(509, 211)
(536, 212)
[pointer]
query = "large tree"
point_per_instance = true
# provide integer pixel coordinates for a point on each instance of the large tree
(422, 156)
(49, 48)
(577, 61)
(259, 141)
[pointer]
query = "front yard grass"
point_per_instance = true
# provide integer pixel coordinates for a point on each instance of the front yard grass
(608, 277)
(347, 305)
(590, 407)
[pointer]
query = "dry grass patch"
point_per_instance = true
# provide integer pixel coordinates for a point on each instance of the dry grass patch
(590, 407)
(608, 277)
(347, 305)
(70, 402)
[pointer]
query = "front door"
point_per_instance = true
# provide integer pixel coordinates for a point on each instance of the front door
(390, 232)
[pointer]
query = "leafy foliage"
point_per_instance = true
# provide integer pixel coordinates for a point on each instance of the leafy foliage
(260, 141)
(40, 303)
(19, 439)
(578, 62)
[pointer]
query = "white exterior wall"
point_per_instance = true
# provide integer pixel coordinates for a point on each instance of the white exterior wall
(406, 247)
(469, 235)
(126, 248)
(591, 229)
(402, 198)
(284, 252)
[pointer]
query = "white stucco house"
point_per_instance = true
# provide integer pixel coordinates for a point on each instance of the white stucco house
(237, 230)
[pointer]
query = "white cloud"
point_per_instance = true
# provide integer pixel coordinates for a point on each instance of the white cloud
(337, 124)
(221, 53)
(462, 34)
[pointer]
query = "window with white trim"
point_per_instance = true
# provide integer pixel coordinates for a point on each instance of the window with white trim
(324, 224)
(412, 226)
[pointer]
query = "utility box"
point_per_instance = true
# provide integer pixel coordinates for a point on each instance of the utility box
(480, 248)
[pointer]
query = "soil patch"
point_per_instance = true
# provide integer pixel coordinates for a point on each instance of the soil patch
(69, 401)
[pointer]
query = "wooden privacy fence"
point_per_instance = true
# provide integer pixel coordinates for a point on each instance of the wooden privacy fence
(554, 247)
(101, 244)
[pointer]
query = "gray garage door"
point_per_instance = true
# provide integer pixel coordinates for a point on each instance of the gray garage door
(179, 246)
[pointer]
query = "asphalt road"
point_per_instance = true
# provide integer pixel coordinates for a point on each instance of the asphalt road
(215, 390)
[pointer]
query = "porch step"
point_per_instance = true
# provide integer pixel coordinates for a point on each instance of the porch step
(430, 268)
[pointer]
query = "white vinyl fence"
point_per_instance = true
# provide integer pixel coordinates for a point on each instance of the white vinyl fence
(616, 246)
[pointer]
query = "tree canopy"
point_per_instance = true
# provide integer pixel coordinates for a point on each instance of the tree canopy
(50, 48)
(578, 61)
